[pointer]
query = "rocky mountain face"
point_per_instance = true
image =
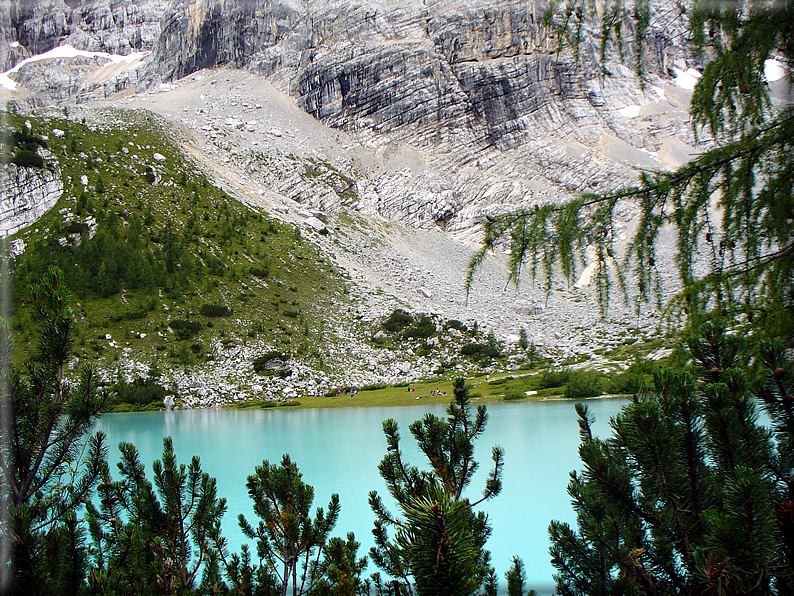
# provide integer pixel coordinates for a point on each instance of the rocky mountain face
(499, 119)
(489, 115)
(112, 26)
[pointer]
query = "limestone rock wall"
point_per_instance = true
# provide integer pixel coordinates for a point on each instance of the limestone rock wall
(113, 26)
(25, 195)
(443, 64)
(385, 88)
(201, 34)
(429, 67)
(32, 27)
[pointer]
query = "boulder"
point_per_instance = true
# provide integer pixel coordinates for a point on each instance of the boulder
(315, 224)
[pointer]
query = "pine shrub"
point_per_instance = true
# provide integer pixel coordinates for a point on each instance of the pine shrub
(215, 310)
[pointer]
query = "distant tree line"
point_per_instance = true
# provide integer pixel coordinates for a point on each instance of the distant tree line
(117, 256)
(131, 249)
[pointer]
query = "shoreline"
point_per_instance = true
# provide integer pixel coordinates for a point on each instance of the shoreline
(482, 390)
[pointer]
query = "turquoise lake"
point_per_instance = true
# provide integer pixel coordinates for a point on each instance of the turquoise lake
(338, 450)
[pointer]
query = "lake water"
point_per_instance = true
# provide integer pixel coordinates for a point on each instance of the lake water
(338, 450)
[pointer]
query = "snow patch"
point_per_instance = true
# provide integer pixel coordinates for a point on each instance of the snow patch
(128, 59)
(686, 79)
(630, 111)
(67, 51)
(774, 70)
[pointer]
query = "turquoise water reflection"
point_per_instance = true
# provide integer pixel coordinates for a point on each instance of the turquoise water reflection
(338, 450)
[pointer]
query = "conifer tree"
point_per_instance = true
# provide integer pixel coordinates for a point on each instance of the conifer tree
(339, 573)
(730, 207)
(154, 538)
(289, 542)
(690, 494)
(516, 578)
(439, 547)
(49, 462)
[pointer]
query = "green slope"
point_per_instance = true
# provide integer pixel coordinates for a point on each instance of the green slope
(151, 249)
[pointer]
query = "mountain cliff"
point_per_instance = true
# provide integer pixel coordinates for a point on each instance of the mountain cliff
(478, 87)
(334, 116)
(113, 26)
(503, 119)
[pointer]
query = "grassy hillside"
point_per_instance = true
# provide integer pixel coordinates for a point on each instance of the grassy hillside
(163, 264)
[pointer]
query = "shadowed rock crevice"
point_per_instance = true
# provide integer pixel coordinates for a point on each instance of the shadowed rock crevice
(198, 36)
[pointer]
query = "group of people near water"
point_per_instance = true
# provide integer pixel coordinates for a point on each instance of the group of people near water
(434, 392)
(351, 390)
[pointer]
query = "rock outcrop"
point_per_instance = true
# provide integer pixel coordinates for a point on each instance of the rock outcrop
(25, 195)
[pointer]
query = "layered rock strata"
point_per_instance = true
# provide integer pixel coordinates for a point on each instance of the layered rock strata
(477, 90)
(25, 195)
